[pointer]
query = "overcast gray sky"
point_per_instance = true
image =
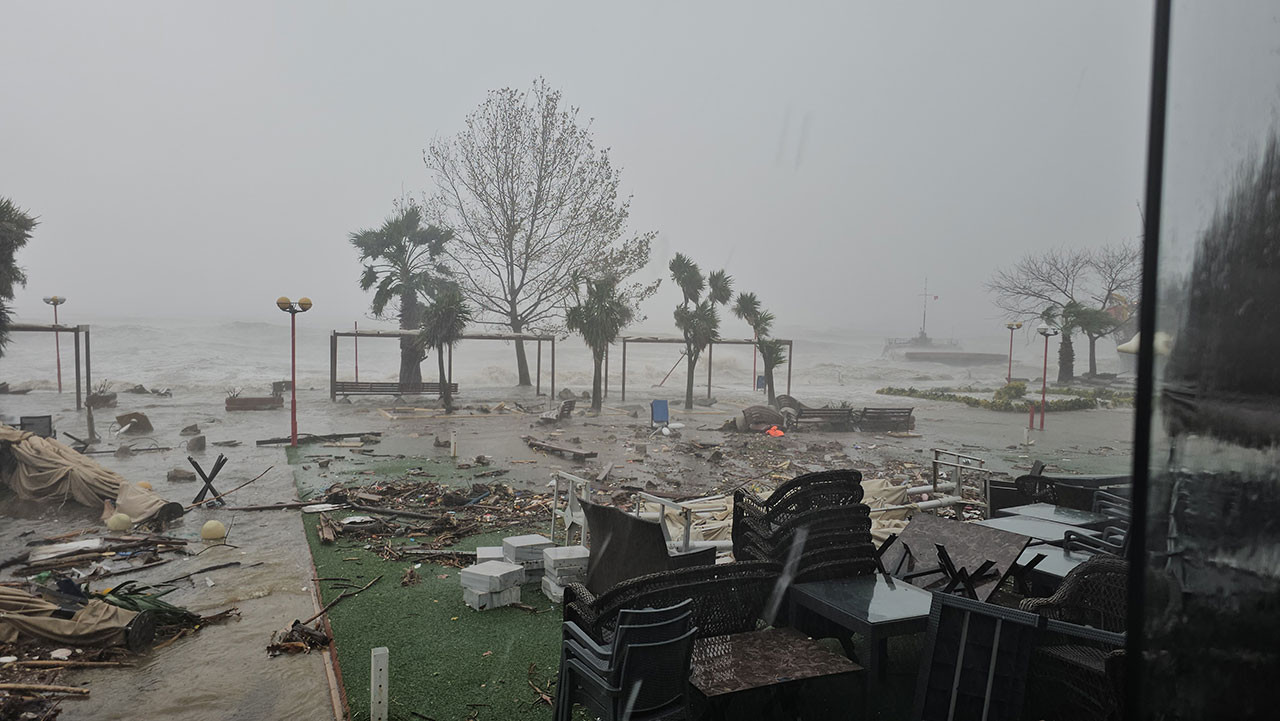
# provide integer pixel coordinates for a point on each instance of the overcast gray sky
(205, 158)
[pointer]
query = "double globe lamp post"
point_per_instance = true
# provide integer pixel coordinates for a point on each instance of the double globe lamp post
(293, 309)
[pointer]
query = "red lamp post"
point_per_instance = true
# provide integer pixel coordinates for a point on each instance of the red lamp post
(55, 301)
(1012, 327)
(293, 309)
(1048, 332)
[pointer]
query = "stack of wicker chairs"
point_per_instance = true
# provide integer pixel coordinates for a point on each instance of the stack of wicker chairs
(827, 506)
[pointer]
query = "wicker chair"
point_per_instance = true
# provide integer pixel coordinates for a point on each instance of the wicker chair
(1076, 672)
(803, 493)
(727, 598)
(829, 526)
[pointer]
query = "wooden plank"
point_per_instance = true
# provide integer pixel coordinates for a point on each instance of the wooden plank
(577, 453)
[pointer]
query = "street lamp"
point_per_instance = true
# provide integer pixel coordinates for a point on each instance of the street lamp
(55, 301)
(1012, 327)
(1048, 332)
(293, 309)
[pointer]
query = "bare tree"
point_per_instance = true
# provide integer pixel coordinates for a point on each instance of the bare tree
(1060, 284)
(534, 205)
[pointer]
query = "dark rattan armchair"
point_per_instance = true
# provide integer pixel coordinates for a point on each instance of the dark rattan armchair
(1076, 672)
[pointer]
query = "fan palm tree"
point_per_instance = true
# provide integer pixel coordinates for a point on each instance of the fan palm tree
(15, 230)
(599, 316)
(444, 319)
(698, 318)
(401, 263)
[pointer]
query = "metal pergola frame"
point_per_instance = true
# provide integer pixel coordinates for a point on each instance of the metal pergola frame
(656, 339)
(75, 330)
(539, 338)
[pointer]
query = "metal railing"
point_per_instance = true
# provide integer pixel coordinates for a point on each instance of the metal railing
(943, 458)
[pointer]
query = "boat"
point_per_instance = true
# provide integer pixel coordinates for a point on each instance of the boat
(923, 349)
(955, 358)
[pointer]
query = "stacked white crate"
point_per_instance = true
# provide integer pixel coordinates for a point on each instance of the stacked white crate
(527, 552)
(563, 566)
(491, 584)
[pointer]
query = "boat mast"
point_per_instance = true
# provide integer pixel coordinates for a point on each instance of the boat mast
(924, 315)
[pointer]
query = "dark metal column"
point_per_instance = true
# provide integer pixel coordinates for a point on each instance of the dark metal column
(77, 335)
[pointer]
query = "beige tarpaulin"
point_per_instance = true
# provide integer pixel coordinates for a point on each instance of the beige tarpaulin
(712, 518)
(97, 624)
(879, 493)
(46, 470)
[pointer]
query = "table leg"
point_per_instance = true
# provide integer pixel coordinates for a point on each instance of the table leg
(875, 672)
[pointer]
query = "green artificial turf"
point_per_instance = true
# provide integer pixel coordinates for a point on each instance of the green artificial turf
(446, 660)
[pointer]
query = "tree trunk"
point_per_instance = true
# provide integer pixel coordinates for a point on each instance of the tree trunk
(688, 388)
(410, 355)
(768, 384)
(1093, 355)
(446, 393)
(1066, 360)
(522, 361)
(596, 400)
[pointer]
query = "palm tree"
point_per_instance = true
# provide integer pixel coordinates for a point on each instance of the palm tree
(771, 350)
(1095, 324)
(15, 230)
(774, 354)
(698, 318)
(599, 316)
(1067, 319)
(443, 320)
(401, 262)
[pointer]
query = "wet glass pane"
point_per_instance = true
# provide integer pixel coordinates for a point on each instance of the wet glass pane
(1213, 539)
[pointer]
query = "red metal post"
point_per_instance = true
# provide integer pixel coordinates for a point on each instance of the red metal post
(1009, 378)
(293, 378)
(57, 348)
(1044, 381)
(1031, 416)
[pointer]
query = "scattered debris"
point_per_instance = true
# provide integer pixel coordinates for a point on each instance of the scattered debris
(298, 638)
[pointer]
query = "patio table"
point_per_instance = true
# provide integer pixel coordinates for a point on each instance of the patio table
(1058, 514)
(1047, 531)
(780, 658)
(876, 607)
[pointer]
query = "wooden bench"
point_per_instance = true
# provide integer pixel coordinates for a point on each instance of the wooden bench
(388, 388)
(562, 412)
(885, 419)
(841, 417)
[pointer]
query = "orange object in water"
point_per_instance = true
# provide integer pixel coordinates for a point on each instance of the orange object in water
(773, 431)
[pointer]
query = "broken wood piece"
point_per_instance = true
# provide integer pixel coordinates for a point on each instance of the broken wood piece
(70, 664)
(220, 496)
(327, 529)
(43, 688)
(576, 453)
(334, 602)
